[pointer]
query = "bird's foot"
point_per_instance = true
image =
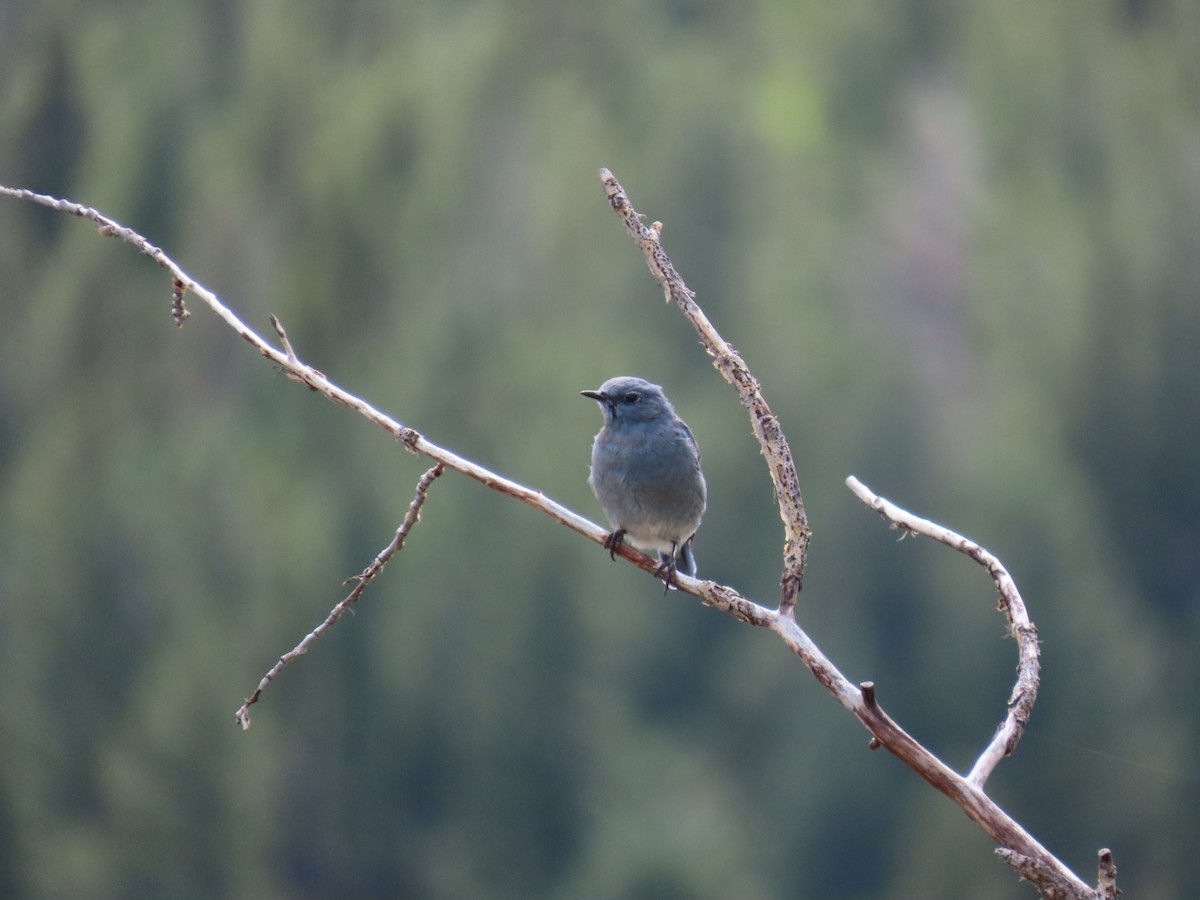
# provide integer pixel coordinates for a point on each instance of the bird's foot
(666, 571)
(613, 541)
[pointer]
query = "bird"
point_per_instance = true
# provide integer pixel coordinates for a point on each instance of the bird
(646, 474)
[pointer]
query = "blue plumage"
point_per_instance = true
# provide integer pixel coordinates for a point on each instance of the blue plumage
(646, 473)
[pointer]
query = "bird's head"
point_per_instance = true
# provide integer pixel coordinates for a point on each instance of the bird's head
(625, 400)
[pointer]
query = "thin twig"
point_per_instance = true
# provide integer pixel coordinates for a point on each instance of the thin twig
(242, 716)
(1024, 692)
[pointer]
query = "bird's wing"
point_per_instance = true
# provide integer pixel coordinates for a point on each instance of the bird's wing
(683, 426)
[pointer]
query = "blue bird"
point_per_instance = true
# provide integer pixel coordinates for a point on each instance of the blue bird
(646, 474)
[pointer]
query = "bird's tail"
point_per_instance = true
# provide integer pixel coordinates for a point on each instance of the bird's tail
(687, 559)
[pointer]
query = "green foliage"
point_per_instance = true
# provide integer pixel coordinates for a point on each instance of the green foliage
(958, 245)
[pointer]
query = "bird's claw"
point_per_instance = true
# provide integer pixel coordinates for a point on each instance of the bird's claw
(666, 571)
(613, 541)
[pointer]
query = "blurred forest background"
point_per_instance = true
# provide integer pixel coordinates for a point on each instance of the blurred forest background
(959, 243)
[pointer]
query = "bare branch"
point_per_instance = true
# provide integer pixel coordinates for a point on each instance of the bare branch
(1024, 692)
(730, 364)
(242, 716)
(863, 703)
(301, 372)
(1022, 851)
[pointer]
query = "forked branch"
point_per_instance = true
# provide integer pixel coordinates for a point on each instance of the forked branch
(1020, 849)
(361, 581)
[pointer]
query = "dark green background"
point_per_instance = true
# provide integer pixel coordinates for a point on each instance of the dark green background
(959, 244)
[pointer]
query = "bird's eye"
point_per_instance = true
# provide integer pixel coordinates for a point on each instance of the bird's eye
(631, 397)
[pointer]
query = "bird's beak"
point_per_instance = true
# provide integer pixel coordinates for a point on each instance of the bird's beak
(598, 396)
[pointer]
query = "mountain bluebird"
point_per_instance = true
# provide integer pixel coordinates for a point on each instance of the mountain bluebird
(646, 473)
